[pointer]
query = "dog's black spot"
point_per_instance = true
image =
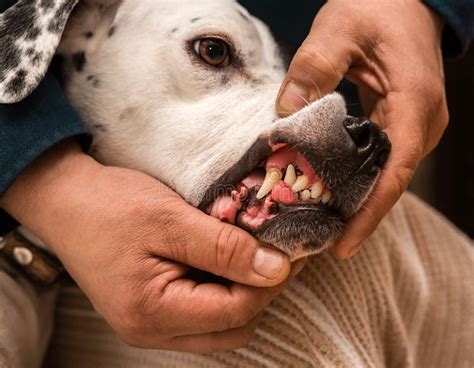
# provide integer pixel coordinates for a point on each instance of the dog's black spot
(128, 113)
(89, 35)
(37, 58)
(32, 33)
(30, 52)
(90, 77)
(96, 83)
(244, 16)
(174, 30)
(59, 20)
(46, 4)
(194, 20)
(225, 79)
(100, 127)
(112, 31)
(10, 56)
(79, 61)
(17, 84)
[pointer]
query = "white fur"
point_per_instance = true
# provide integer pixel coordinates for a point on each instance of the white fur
(175, 120)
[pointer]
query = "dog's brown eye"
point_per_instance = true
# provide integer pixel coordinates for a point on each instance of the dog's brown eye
(213, 51)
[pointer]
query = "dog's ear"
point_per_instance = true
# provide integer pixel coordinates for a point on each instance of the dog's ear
(30, 32)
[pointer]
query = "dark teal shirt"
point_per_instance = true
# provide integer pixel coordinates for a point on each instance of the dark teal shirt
(45, 118)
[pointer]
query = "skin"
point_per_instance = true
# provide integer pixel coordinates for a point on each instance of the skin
(128, 240)
(392, 51)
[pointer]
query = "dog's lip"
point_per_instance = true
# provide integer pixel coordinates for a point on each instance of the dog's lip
(227, 186)
(287, 211)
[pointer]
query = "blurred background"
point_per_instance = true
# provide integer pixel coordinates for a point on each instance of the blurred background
(445, 179)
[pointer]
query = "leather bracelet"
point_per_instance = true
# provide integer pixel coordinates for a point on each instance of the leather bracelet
(40, 266)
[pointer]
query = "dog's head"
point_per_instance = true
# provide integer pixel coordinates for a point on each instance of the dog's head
(185, 91)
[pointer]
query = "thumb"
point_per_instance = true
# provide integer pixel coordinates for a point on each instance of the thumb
(317, 68)
(224, 250)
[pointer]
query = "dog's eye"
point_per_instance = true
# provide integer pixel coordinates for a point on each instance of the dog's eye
(213, 51)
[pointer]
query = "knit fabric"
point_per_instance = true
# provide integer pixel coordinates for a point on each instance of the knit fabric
(406, 300)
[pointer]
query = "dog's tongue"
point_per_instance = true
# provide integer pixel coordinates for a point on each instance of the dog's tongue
(254, 212)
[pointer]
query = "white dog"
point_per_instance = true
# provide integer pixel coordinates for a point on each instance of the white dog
(185, 91)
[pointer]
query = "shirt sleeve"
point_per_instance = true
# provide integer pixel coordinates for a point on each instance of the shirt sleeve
(32, 126)
(459, 29)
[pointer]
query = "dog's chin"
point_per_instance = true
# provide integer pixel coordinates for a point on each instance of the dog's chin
(301, 230)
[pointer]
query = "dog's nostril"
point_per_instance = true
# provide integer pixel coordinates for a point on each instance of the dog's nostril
(360, 132)
(371, 143)
(382, 157)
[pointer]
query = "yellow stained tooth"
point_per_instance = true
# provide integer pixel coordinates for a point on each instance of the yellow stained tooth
(300, 183)
(290, 175)
(271, 177)
(305, 195)
(326, 197)
(316, 190)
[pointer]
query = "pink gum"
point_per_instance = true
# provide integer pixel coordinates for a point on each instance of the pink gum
(287, 155)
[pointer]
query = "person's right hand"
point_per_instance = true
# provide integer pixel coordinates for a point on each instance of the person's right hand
(128, 241)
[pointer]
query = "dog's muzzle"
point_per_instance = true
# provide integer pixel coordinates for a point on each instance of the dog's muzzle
(298, 186)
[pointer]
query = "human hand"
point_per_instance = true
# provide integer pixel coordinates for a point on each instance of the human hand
(128, 241)
(391, 50)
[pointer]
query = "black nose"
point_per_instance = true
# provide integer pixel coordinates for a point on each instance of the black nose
(372, 144)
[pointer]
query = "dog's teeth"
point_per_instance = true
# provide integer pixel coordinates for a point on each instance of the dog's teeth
(271, 177)
(326, 197)
(316, 190)
(305, 195)
(300, 183)
(290, 175)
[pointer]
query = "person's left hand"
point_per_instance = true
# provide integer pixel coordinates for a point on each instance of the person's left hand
(391, 50)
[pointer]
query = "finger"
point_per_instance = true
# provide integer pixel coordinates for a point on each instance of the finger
(318, 66)
(214, 341)
(204, 308)
(408, 138)
(222, 249)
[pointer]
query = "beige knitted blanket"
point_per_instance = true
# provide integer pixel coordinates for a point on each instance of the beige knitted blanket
(407, 300)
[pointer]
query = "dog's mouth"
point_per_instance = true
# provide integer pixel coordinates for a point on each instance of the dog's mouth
(283, 184)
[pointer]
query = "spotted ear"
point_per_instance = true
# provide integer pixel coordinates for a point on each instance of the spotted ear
(30, 32)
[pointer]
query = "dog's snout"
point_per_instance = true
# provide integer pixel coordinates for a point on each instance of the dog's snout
(371, 143)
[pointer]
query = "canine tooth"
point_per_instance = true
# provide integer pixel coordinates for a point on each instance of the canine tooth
(271, 177)
(300, 183)
(290, 175)
(316, 190)
(326, 197)
(305, 195)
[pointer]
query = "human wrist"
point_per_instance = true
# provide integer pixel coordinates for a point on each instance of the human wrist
(46, 182)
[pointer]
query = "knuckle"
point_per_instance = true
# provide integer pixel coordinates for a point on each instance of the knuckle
(312, 61)
(237, 317)
(228, 251)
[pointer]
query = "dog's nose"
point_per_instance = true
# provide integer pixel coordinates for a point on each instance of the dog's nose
(372, 144)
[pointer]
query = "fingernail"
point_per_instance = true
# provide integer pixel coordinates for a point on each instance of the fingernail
(353, 251)
(294, 97)
(268, 263)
